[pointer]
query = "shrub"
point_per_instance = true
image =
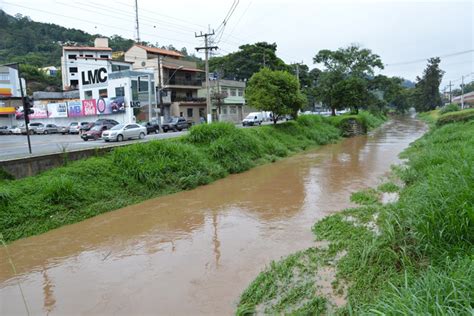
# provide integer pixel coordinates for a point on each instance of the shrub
(459, 116)
(452, 107)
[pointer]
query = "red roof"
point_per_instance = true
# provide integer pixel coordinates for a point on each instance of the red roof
(87, 48)
(160, 51)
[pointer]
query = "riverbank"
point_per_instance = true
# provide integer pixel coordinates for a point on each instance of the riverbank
(138, 172)
(411, 255)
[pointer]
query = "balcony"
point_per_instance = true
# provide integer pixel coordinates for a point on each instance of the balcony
(188, 99)
(184, 82)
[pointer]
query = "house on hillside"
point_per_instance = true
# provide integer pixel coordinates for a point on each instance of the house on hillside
(180, 80)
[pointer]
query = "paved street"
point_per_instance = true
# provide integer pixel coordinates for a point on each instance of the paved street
(16, 146)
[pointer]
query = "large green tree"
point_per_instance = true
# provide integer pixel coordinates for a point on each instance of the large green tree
(344, 82)
(276, 91)
(427, 95)
(249, 59)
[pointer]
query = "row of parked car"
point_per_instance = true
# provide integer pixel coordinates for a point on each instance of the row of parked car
(106, 129)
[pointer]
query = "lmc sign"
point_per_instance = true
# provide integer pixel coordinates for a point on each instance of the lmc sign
(94, 76)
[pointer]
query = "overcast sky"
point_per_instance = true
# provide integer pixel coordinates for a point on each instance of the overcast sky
(398, 31)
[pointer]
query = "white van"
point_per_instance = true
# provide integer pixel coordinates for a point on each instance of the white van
(254, 118)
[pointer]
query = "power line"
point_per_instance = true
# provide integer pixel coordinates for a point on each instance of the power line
(424, 59)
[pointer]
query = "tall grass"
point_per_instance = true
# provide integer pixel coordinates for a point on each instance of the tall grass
(133, 173)
(412, 257)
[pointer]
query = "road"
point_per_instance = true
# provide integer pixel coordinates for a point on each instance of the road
(16, 146)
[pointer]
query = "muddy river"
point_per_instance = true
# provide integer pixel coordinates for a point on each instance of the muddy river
(194, 252)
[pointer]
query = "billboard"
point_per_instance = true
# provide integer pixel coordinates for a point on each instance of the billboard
(57, 110)
(89, 107)
(74, 109)
(40, 111)
(110, 106)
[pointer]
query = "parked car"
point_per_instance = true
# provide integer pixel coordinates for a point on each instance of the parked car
(15, 130)
(254, 118)
(32, 127)
(85, 127)
(121, 132)
(47, 129)
(151, 126)
(4, 130)
(94, 133)
(75, 127)
(175, 124)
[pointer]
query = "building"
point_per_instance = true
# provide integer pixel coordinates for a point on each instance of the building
(180, 80)
(228, 100)
(10, 94)
(50, 71)
(71, 55)
(467, 98)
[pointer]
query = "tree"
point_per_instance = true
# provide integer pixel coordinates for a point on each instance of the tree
(345, 80)
(275, 91)
(426, 95)
(249, 59)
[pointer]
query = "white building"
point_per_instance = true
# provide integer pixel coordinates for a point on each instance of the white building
(71, 55)
(10, 83)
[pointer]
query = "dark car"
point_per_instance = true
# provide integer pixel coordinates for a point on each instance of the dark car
(151, 126)
(108, 122)
(95, 132)
(175, 124)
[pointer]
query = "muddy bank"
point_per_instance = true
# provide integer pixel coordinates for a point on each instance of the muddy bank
(195, 251)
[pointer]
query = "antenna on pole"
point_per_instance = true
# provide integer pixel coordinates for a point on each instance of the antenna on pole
(137, 26)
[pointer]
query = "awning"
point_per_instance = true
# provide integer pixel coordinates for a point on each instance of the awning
(183, 68)
(7, 110)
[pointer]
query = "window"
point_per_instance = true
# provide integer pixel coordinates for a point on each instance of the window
(189, 95)
(190, 112)
(71, 56)
(89, 56)
(224, 110)
(74, 83)
(4, 77)
(233, 92)
(73, 69)
(201, 112)
(104, 56)
(142, 84)
(241, 92)
(233, 110)
(88, 94)
(120, 92)
(181, 114)
(103, 93)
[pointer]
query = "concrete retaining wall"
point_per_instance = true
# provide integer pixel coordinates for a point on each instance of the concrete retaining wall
(30, 166)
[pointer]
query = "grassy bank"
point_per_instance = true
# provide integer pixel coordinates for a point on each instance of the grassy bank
(413, 256)
(134, 173)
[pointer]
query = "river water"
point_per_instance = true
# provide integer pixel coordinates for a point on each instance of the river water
(194, 252)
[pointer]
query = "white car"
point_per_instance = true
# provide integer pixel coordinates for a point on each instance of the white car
(121, 132)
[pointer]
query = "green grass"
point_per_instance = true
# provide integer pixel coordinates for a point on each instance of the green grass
(414, 256)
(429, 117)
(458, 116)
(134, 173)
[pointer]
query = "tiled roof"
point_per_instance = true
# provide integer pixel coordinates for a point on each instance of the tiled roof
(160, 51)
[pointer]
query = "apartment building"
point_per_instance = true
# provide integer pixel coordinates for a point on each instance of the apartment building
(180, 80)
(10, 94)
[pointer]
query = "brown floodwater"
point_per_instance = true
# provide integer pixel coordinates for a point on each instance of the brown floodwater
(194, 252)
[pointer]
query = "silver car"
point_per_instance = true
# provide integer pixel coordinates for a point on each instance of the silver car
(121, 132)
(47, 129)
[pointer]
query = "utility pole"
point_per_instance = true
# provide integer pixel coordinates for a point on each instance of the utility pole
(137, 27)
(462, 93)
(450, 94)
(150, 113)
(160, 95)
(207, 48)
